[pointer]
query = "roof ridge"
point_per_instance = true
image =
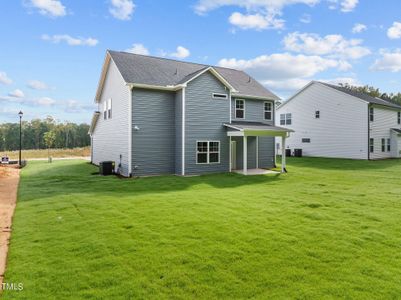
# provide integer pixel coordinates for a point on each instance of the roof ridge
(172, 59)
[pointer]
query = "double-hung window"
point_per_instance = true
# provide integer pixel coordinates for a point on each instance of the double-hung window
(371, 114)
(240, 109)
(383, 145)
(317, 114)
(105, 110)
(207, 152)
(285, 119)
(371, 145)
(399, 117)
(388, 145)
(268, 111)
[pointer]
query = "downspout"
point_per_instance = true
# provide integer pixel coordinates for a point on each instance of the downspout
(130, 131)
(183, 133)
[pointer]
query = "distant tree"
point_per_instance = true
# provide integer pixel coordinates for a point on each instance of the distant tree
(49, 138)
(374, 92)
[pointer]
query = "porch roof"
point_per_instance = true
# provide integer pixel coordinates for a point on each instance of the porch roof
(396, 130)
(236, 128)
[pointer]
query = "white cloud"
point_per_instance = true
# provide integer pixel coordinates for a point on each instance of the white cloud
(4, 78)
(389, 61)
(335, 45)
(17, 94)
(181, 52)
(343, 80)
(306, 18)
(394, 32)
(255, 21)
(78, 41)
(282, 66)
(260, 14)
(358, 28)
(74, 106)
(44, 101)
(348, 5)
(345, 5)
(52, 8)
(37, 85)
(122, 9)
(138, 49)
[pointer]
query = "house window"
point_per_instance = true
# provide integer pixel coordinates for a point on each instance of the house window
(371, 145)
(306, 140)
(288, 119)
(207, 152)
(285, 119)
(317, 114)
(268, 110)
(239, 109)
(105, 110)
(109, 108)
(388, 145)
(219, 96)
(371, 114)
(383, 145)
(399, 117)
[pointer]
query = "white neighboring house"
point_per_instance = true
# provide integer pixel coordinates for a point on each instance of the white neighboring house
(333, 121)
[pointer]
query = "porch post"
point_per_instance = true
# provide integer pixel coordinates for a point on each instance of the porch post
(230, 155)
(245, 160)
(283, 163)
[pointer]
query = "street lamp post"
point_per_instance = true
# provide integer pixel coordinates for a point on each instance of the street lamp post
(20, 114)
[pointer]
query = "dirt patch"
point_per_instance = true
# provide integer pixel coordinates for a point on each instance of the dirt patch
(9, 179)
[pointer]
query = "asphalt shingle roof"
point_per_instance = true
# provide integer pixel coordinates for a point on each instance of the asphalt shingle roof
(142, 69)
(255, 126)
(362, 96)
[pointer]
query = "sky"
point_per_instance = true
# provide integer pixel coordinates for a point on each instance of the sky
(52, 51)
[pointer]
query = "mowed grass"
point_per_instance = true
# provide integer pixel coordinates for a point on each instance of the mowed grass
(329, 229)
(44, 153)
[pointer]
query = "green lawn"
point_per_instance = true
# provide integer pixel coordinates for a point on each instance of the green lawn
(328, 229)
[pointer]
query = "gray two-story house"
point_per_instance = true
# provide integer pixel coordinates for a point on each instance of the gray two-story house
(160, 116)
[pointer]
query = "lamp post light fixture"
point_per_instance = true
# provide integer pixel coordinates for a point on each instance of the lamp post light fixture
(20, 114)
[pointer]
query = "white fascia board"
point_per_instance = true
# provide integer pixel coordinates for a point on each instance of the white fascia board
(217, 75)
(102, 78)
(238, 95)
(95, 117)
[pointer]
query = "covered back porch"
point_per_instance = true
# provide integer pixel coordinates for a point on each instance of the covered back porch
(252, 144)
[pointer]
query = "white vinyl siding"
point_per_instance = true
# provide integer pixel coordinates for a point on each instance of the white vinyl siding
(110, 137)
(342, 133)
(384, 120)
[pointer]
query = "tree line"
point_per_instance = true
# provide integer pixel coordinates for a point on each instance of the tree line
(36, 134)
(375, 92)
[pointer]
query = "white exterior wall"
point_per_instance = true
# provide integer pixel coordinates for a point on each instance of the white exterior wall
(341, 131)
(110, 137)
(384, 120)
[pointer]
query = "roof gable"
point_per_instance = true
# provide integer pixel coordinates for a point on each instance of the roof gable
(357, 95)
(167, 73)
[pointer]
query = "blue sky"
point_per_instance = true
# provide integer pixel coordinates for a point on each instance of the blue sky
(51, 51)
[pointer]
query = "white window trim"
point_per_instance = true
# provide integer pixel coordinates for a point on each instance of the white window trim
(371, 114)
(235, 108)
(388, 145)
(371, 145)
(219, 98)
(207, 153)
(265, 111)
(109, 109)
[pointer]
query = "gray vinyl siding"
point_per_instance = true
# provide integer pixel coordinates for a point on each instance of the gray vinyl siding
(265, 153)
(254, 110)
(204, 118)
(153, 145)
(178, 132)
(110, 137)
